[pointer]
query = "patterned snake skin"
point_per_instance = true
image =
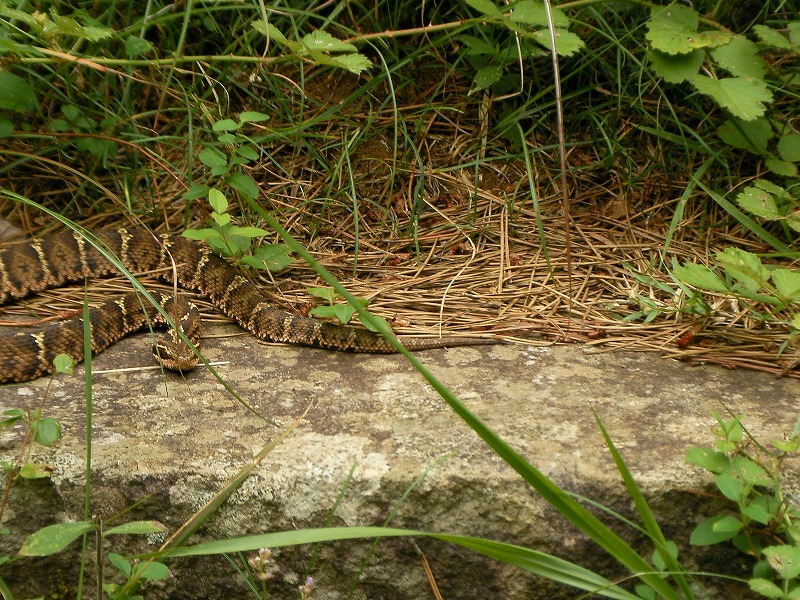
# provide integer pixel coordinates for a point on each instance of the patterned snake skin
(67, 257)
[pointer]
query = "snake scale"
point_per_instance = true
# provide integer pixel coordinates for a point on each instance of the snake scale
(65, 257)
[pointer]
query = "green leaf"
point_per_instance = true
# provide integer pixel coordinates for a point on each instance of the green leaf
(487, 7)
(221, 219)
(48, 431)
(671, 28)
(789, 147)
(16, 93)
(355, 63)
(248, 232)
(225, 125)
(11, 416)
(715, 530)
(154, 571)
(485, 77)
(740, 58)
(708, 459)
(342, 312)
(243, 184)
(217, 201)
(136, 46)
(771, 37)
(758, 202)
(676, 68)
(567, 43)
(745, 98)
(730, 487)
(33, 470)
(784, 559)
(787, 283)
(196, 190)
(69, 26)
(757, 513)
(751, 472)
(369, 325)
(327, 294)
(64, 364)
(781, 167)
(273, 257)
(744, 267)
(699, 276)
(136, 528)
(120, 562)
(532, 12)
(322, 41)
(6, 127)
(766, 588)
(211, 157)
(248, 152)
(202, 235)
(54, 538)
(251, 116)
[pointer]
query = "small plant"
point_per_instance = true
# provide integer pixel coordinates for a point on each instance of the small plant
(764, 524)
(341, 311)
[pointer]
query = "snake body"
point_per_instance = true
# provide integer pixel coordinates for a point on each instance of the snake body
(65, 257)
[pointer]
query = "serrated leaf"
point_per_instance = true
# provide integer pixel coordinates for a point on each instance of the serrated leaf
(322, 41)
(676, 68)
(355, 63)
(745, 98)
(787, 283)
(225, 125)
(243, 184)
(669, 28)
(758, 202)
(251, 116)
(136, 528)
(567, 43)
(487, 7)
(700, 276)
(136, 46)
(533, 12)
(745, 267)
(781, 167)
(748, 135)
(54, 538)
(771, 37)
(740, 58)
(16, 93)
(211, 157)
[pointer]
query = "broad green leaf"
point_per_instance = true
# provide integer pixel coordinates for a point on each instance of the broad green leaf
(784, 559)
(64, 363)
(120, 562)
(766, 588)
(567, 43)
(758, 202)
(788, 283)
(751, 472)
(740, 58)
(154, 571)
(355, 63)
(54, 538)
(202, 235)
(368, 323)
(211, 157)
(136, 46)
(708, 459)
(33, 470)
(487, 7)
(342, 312)
(322, 41)
(757, 513)
(485, 77)
(676, 68)
(670, 28)
(327, 294)
(248, 152)
(16, 93)
(744, 267)
(136, 528)
(251, 116)
(771, 37)
(730, 486)
(789, 147)
(243, 184)
(217, 201)
(248, 232)
(781, 167)
(221, 219)
(273, 257)
(11, 416)
(532, 12)
(48, 431)
(745, 98)
(225, 125)
(196, 190)
(794, 33)
(700, 276)
(715, 530)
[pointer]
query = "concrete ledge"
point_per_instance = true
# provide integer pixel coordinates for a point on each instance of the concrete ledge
(171, 443)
